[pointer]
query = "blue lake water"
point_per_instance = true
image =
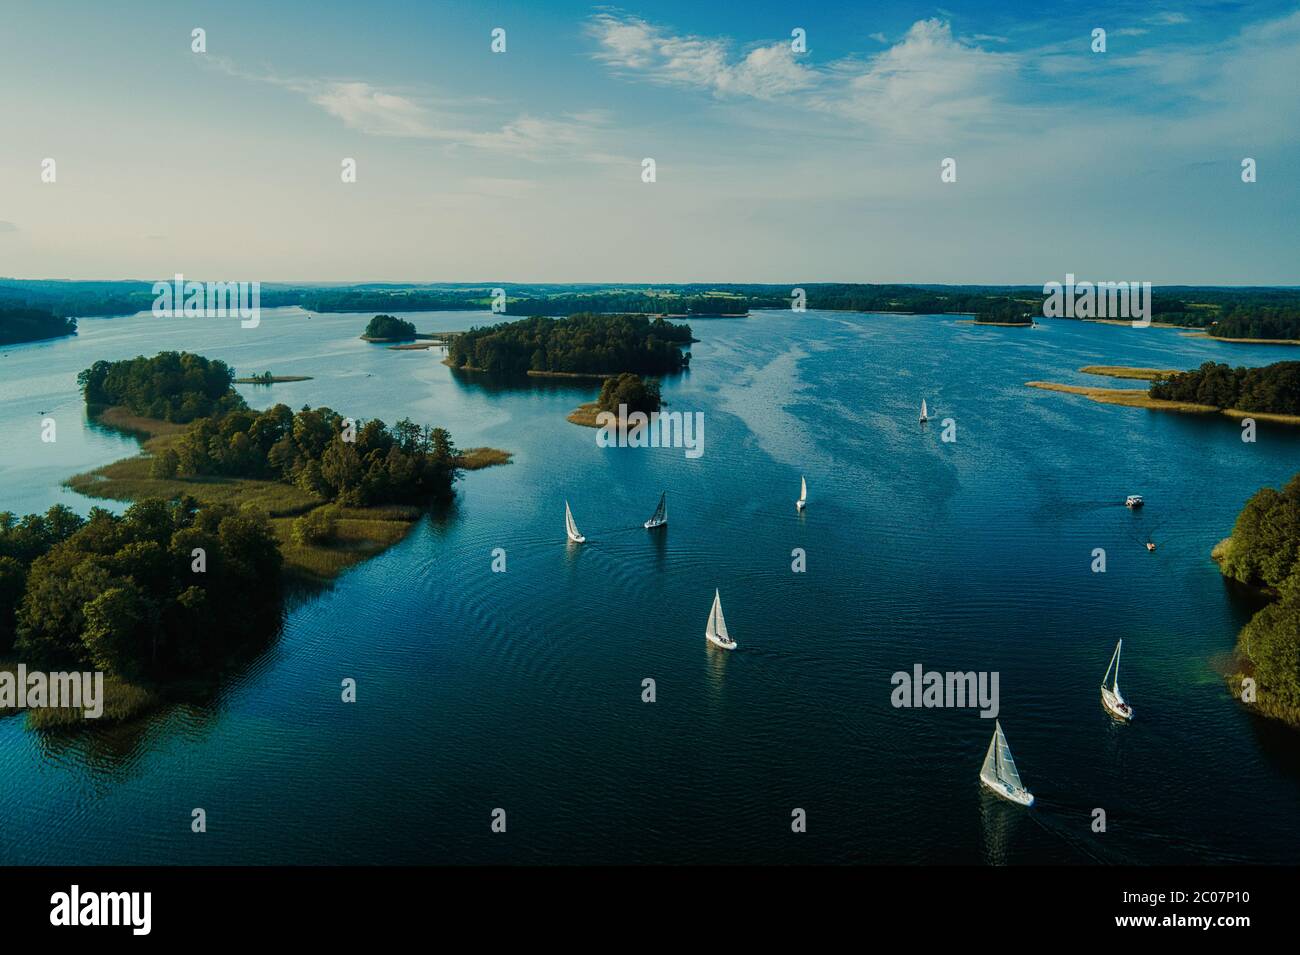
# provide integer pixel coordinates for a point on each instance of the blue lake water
(522, 690)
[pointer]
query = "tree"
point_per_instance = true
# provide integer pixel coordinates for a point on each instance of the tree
(118, 635)
(164, 465)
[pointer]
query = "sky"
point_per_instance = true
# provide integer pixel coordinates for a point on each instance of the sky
(771, 164)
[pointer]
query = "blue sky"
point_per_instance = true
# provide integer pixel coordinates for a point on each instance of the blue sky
(772, 165)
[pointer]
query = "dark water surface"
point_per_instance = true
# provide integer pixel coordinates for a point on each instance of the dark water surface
(522, 690)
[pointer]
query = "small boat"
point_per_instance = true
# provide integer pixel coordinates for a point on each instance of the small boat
(803, 494)
(999, 771)
(925, 415)
(1151, 545)
(716, 631)
(660, 516)
(1115, 704)
(1133, 500)
(571, 528)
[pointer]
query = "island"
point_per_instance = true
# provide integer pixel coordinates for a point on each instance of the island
(229, 507)
(629, 390)
(1263, 553)
(388, 328)
(266, 378)
(583, 345)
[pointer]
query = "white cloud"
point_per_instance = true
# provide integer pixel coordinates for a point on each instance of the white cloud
(631, 45)
(927, 78)
(373, 111)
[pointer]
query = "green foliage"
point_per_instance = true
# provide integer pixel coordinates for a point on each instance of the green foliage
(408, 464)
(1274, 388)
(32, 324)
(171, 386)
(318, 526)
(388, 326)
(120, 593)
(582, 343)
(631, 390)
(164, 464)
(1264, 551)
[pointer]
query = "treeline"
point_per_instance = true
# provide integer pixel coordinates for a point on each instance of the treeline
(167, 589)
(1243, 322)
(20, 324)
(1006, 313)
(1264, 551)
(171, 386)
(584, 343)
(356, 464)
(1274, 388)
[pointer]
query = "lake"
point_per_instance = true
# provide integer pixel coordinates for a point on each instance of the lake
(522, 690)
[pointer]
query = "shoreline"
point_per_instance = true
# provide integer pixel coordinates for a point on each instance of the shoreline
(1138, 398)
(1200, 333)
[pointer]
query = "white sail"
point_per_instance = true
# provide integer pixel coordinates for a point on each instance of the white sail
(570, 527)
(660, 516)
(803, 489)
(924, 413)
(1109, 681)
(1006, 765)
(717, 625)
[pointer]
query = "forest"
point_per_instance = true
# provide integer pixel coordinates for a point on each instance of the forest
(22, 324)
(1264, 552)
(129, 595)
(1274, 388)
(171, 386)
(582, 343)
(356, 464)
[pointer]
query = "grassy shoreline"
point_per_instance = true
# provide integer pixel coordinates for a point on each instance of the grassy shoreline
(1129, 371)
(585, 415)
(1242, 341)
(1138, 398)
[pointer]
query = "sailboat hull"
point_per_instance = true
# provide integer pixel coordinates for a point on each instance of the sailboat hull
(718, 641)
(799, 505)
(652, 524)
(1021, 797)
(577, 539)
(1113, 706)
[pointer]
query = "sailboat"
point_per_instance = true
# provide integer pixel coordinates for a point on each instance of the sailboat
(803, 494)
(660, 517)
(925, 415)
(571, 528)
(999, 770)
(716, 631)
(1111, 698)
